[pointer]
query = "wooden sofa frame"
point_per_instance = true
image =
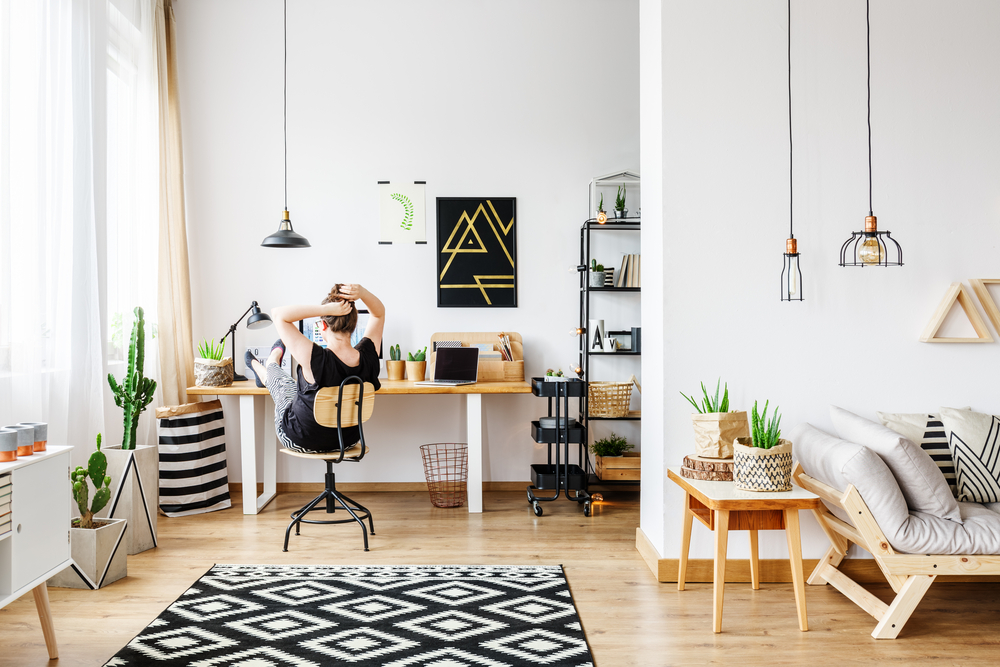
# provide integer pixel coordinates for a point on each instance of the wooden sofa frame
(910, 575)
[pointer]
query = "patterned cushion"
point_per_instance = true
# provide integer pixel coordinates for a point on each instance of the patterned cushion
(974, 440)
(927, 431)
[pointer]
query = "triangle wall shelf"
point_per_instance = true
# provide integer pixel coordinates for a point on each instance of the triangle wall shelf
(989, 305)
(957, 292)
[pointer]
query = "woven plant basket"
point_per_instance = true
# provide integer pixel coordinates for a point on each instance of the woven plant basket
(212, 372)
(756, 469)
(608, 399)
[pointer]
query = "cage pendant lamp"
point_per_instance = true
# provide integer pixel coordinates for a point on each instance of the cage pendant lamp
(870, 247)
(286, 236)
(791, 274)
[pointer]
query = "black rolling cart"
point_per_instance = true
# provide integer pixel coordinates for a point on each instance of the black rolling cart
(559, 431)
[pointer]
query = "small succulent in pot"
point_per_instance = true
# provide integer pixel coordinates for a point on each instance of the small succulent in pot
(620, 210)
(596, 274)
(396, 367)
(763, 461)
(715, 427)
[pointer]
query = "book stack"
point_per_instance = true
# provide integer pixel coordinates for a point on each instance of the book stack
(5, 492)
(628, 275)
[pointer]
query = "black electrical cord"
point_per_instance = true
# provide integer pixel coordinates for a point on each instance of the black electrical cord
(868, 21)
(791, 233)
(284, 95)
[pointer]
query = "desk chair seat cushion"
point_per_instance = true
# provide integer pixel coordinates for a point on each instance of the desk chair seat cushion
(840, 463)
(352, 453)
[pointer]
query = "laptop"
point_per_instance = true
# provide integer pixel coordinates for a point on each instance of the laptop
(455, 366)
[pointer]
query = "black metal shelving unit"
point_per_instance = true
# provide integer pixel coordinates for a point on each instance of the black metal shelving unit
(592, 225)
(560, 475)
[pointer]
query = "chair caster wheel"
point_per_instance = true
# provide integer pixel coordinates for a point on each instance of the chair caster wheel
(586, 508)
(537, 509)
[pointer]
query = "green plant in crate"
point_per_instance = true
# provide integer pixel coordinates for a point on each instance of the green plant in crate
(135, 392)
(613, 445)
(620, 199)
(394, 353)
(708, 403)
(97, 466)
(419, 356)
(209, 349)
(764, 432)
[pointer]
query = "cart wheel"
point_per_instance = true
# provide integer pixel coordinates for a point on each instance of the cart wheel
(586, 508)
(531, 501)
(537, 508)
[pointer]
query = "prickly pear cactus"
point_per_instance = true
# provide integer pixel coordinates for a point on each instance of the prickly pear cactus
(135, 392)
(96, 468)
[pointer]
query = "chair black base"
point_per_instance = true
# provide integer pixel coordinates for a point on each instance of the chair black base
(334, 501)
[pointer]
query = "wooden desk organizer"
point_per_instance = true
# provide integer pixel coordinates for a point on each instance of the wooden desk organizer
(490, 370)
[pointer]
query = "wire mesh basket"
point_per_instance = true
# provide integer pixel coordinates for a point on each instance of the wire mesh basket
(446, 467)
(608, 399)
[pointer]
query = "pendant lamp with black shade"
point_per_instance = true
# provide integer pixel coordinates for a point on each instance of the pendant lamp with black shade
(285, 237)
(791, 274)
(870, 247)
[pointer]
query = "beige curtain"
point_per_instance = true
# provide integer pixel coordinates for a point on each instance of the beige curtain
(174, 288)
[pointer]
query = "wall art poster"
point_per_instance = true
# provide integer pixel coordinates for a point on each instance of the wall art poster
(477, 252)
(401, 213)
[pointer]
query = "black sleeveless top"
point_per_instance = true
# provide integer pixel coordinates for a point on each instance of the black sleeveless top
(328, 371)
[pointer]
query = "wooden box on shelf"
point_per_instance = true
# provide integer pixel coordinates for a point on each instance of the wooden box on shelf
(490, 370)
(619, 468)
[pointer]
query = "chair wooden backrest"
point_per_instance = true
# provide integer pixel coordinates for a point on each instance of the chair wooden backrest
(328, 403)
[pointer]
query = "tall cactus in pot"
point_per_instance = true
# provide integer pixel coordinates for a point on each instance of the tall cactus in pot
(135, 392)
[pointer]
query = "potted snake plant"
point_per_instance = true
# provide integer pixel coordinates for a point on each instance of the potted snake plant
(763, 462)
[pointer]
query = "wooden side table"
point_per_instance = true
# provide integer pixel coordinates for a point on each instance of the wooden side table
(722, 507)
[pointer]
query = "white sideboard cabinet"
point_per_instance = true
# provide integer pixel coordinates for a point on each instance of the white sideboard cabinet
(37, 544)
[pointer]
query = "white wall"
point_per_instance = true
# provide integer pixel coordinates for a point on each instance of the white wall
(854, 341)
(520, 99)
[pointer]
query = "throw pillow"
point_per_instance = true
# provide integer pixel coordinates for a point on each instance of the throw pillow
(927, 431)
(922, 484)
(974, 440)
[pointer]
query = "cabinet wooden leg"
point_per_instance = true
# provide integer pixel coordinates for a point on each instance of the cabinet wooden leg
(795, 561)
(685, 542)
(721, 547)
(754, 562)
(41, 594)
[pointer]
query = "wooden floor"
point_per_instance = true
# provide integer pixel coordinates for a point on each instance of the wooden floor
(628, 617)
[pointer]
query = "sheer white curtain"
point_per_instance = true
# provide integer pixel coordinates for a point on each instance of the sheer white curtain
(74, 196)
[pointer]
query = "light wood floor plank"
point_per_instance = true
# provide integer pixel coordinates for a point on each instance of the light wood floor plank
(629, 618)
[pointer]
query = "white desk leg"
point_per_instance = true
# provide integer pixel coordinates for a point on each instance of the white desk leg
(248, 452)
(270, 455)
(474, 424)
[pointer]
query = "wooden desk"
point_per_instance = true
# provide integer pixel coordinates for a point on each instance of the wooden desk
(721, 507)
(253, 399)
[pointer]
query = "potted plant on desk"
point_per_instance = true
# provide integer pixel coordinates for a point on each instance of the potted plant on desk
(395, 367)
(416, 365)
(96, 545)
(763, 462)
(715, 427)
(136, 467)
(210, 368)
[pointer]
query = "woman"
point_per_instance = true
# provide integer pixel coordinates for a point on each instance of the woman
(319, 367)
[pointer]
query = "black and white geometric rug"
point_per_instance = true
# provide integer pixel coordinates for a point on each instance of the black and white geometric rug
(385, 615)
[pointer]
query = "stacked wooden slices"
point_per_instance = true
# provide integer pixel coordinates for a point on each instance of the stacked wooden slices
(706, 469)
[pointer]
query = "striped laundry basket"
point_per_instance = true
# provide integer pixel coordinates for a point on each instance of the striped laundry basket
(192, 444)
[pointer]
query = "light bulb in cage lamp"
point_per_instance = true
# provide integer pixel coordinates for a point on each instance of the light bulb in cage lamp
(871, 251)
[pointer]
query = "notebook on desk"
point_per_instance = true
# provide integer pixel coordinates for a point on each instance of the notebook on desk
(455, 366)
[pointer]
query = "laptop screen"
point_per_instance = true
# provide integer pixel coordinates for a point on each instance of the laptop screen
(457, 363)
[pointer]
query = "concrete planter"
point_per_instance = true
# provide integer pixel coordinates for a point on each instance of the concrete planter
(98, 556)
(135, 485)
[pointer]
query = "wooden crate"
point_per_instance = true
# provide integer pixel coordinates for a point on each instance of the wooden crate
(618, 468)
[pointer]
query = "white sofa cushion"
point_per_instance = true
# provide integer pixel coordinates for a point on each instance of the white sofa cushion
(924, 487)
(839, 464)
(926, 430)
(974, 440)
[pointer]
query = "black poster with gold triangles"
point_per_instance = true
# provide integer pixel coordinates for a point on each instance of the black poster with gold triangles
(477, 258)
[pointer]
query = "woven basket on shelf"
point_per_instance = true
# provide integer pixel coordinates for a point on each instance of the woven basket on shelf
(608, 399)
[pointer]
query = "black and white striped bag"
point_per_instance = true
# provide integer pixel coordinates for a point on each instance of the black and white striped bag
(192, 447)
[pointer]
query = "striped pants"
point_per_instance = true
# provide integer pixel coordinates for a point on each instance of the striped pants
(283, 390)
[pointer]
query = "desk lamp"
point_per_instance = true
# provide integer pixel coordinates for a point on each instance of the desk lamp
(258, 320)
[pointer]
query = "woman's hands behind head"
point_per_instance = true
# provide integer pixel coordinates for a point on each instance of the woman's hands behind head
(337, 308)
(351, 292)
